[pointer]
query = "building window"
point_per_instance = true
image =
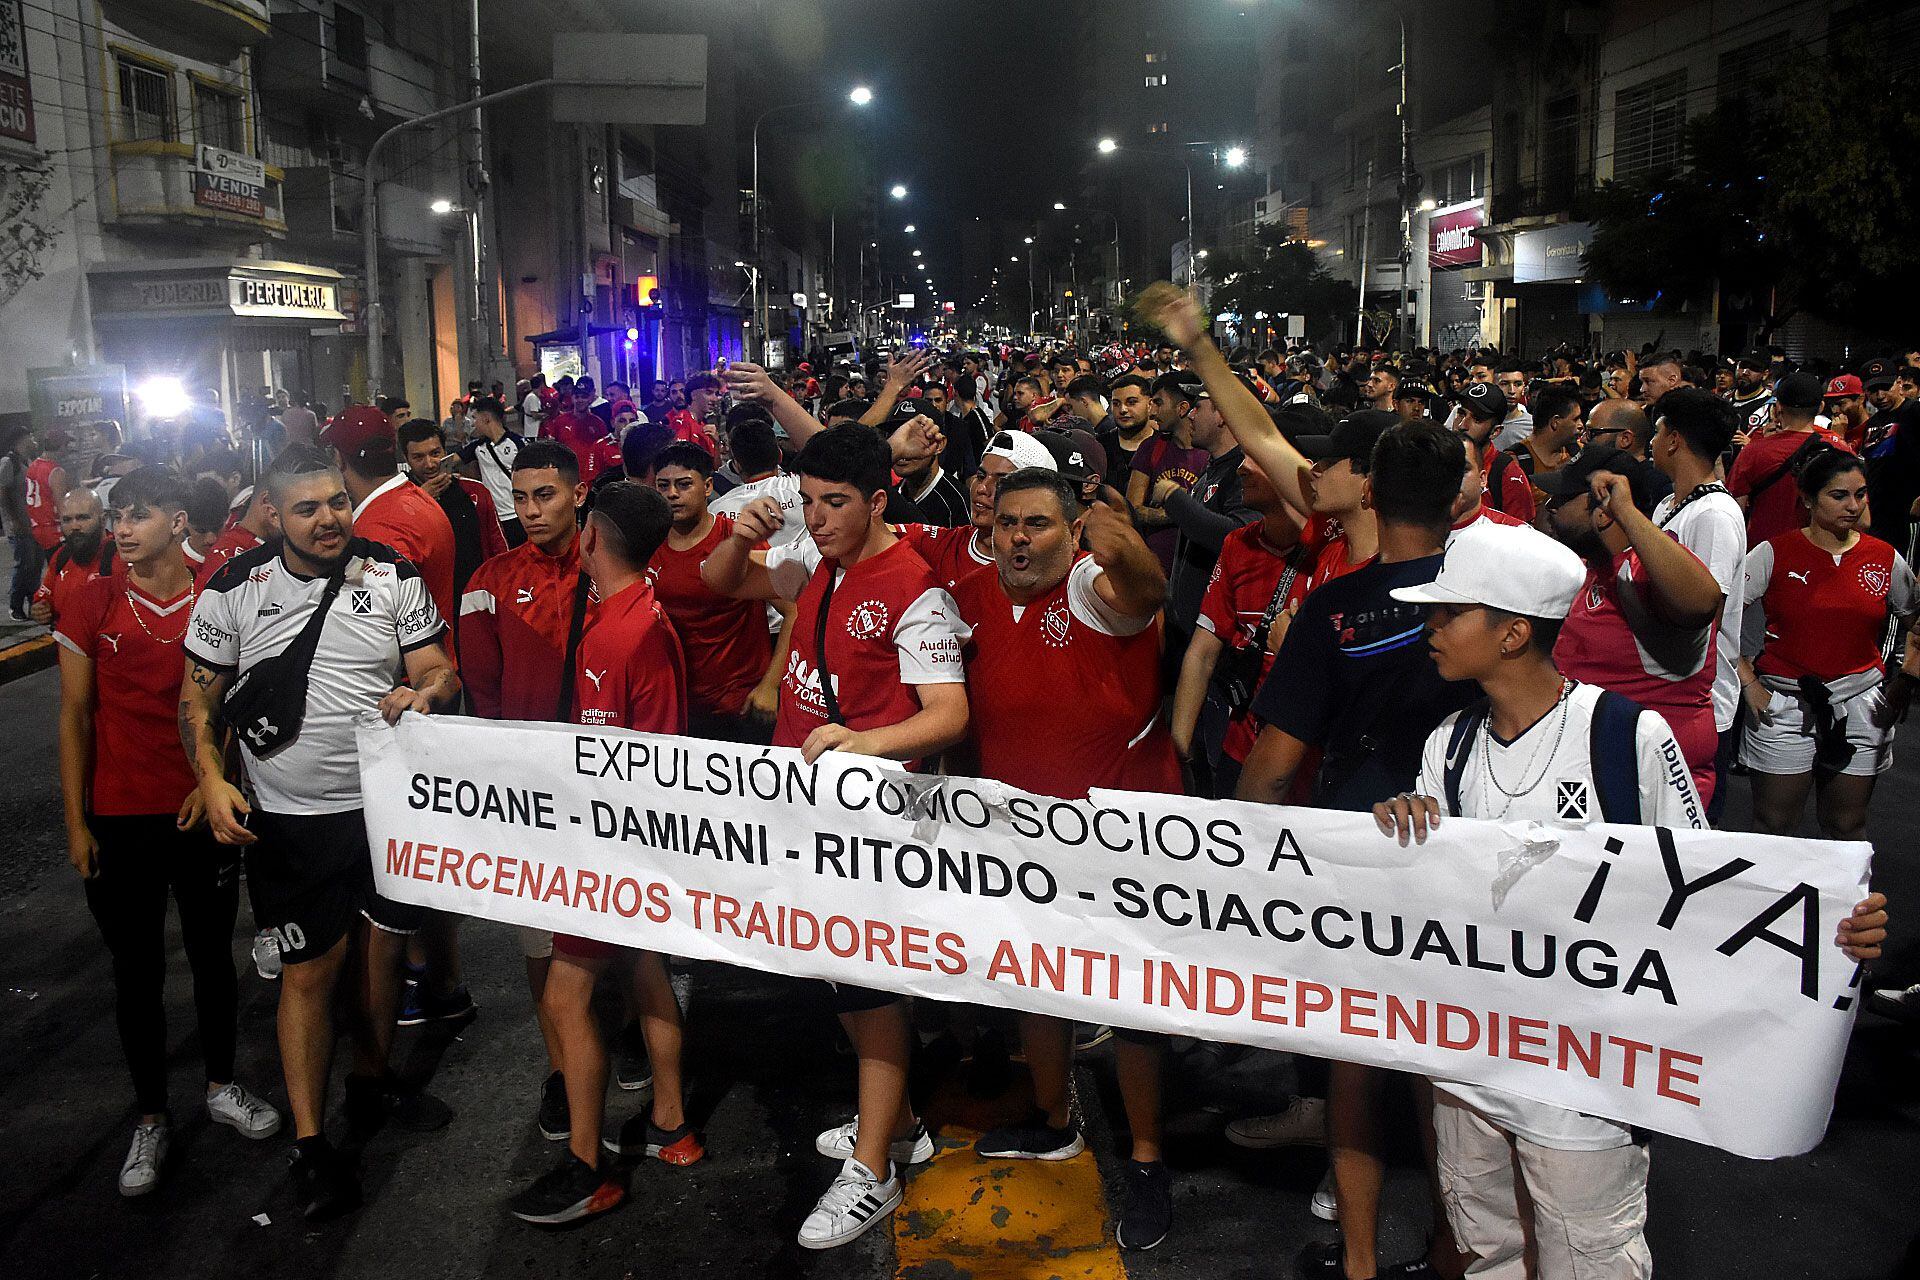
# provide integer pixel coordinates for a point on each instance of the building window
(146, 103)
(219, 119)
(1560, 149)
(1156, 57)
(1156, 82)
(1649, 126)
(1161, 127)
(1747, 74)
(1459, 181)
(349, 36)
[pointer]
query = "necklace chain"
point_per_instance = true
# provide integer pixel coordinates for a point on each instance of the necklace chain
(133, 604)
(1564, 706)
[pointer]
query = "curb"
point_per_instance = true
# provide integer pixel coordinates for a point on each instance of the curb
(26, 658)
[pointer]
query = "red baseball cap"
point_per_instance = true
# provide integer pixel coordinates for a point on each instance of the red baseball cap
(354, 428)
(1845, 384)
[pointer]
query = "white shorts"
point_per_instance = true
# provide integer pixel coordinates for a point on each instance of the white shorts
(1786, 744)
(535, 944)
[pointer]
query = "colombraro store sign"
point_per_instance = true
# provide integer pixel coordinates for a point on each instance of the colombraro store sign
(1681, 980)
(1450, 239)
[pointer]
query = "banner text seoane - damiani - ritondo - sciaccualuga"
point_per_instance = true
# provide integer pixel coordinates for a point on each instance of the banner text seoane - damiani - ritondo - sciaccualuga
(1683, 981)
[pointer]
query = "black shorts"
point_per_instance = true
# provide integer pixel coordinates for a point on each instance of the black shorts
(309, 875)
(843, 997)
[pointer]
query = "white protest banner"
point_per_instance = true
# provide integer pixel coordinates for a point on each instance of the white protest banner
(1682, 981)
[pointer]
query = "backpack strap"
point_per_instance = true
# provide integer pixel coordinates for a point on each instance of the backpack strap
(1613, 746)
(1460, 750)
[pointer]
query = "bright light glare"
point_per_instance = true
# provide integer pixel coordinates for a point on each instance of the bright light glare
(899, 191)
(860, 96)
(908, 228)
(1429, 205)
(1058, 206)
(1236, 156)
(162, 397)
(442, 205)
(1029, 240)
(916, 253)
(1108, 146)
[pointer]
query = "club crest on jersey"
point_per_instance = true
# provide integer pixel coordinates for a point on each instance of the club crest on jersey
(1056, 625)
(362, 601)
(1570, 799)
(1876, 579)
(867, 620)
(1596, 598)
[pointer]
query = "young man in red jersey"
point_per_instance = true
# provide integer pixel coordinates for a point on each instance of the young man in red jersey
(517, 616)
(875, 669)
(1075, 631)
(632, 675)
(386, 506)
(732, 665)
(135, 832)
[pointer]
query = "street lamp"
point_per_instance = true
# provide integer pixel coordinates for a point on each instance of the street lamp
(1058, 206)
(442, 206)
(1108, 146)
(908, 228)
(899, 191)
(1233, 155)
(860, 96)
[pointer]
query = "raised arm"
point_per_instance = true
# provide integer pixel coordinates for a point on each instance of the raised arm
(750, 382)
(901, 373)
(1683, 587)
(1176, 313)
(734, 568)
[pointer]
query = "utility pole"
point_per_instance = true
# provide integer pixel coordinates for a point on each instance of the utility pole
(1409, 191)
(1366, 252)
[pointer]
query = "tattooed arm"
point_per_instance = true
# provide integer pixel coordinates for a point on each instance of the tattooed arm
(226, 809)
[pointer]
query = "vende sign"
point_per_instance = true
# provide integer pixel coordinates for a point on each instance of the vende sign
(1450, 239)
(1684, 981)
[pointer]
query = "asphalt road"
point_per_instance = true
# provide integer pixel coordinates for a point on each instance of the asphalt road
(766, 1076)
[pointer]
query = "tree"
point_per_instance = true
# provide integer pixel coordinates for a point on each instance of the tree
(1803, 197)
(1281, 276)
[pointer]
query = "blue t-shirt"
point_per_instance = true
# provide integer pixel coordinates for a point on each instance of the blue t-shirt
(1355, 679)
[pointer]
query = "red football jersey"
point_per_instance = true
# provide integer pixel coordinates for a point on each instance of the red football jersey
(953, 554)
(1760, 476)
(65, 575)
(631, 672)
(401, 515)
(43, 504)
(1670, 672)
(513, 631)
(890, 627)
(224, 548)
(1245, 577)
(1514, 493)
(725, 639)
(1827, 620)
(135, 645)
(687, 427)
(1100, 691)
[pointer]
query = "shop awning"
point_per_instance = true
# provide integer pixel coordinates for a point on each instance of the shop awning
(572, 336)
(244, 290)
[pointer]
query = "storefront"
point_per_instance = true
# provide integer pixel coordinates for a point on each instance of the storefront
(1548, 266)
(1454, 299)
(216, 331)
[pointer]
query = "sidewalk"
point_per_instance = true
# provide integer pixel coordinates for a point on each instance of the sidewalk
(25, 647)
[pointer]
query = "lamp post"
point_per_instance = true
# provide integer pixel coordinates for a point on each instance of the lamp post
(859, 96)
(1231, 154)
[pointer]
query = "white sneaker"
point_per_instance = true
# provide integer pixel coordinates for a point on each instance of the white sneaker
(266, 956)
(141, 1172)
(857, 1200)
(1326, 1205)
(238, 1109)
(838, 1143)
(1302, 1124)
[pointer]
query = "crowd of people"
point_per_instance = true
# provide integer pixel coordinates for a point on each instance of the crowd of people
(1424, 586)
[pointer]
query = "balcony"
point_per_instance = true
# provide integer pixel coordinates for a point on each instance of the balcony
(305, 63)
(325, 209)
(216, 28)
(157, 185)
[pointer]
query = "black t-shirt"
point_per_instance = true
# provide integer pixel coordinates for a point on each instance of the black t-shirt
(1354, 678)
(1892, 453)
(943, 504)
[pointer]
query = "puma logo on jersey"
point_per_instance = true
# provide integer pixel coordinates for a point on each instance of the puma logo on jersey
(113, 640)
(1800, 576)
(523, 595)
(595, 676)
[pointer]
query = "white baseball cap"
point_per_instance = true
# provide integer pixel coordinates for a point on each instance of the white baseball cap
(1022, 450)
(1514, 568)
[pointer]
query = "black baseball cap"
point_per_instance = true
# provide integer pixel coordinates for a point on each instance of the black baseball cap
(1878, 373)
(1799, 391)
(1411, 390)
(1077, 454)
(1352, 439)
(1484, 400)
(1577, 476)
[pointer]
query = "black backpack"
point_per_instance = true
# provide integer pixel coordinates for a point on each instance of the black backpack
(1616, 759)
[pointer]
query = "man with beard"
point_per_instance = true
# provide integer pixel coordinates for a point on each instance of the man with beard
(966, 551)
(1075, 631)
(84, 553)
(1753, 391)
(1130, 405)
(309, 870)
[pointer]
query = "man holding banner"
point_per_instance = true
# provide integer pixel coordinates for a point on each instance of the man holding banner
(1076, 632)
(875, 669)
(1569, 751)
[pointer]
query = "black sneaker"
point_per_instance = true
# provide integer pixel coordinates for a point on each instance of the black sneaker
(1148, 1213)
(322, 1182)
(631, 1070)
(555, 1123)
(422, 1007)
(567, 1193)
(1412, 1269)
(1902, 1004)
(1036, 1141)
(1322, 1260)
(640, 1137)
(374, 1103)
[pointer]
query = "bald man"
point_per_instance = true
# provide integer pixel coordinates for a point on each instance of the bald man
(84, 553)
(1622, 424)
